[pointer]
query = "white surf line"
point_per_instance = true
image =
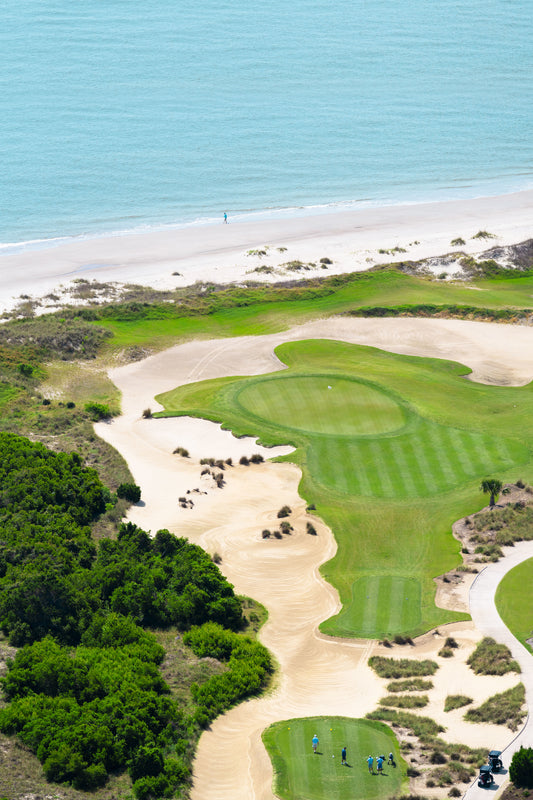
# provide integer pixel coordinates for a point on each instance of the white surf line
(488, 621)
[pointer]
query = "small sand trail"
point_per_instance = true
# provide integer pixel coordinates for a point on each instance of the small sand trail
(317, 675)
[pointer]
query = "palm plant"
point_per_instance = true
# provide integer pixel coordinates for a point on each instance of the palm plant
(493, 487)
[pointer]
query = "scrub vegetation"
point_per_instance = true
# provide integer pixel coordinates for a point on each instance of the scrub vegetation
(492, 658)
(505, 708)
(84, 690)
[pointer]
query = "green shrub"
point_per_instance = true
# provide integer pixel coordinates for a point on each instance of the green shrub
(456, 701)
(405, 701)
(521, 768)
(505, 708)
(97, 411)
(491, 658)
(130, 492)
(410, 685)
(401, 667)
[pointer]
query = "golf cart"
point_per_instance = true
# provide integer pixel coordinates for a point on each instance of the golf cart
(485, 776)
(495, 761)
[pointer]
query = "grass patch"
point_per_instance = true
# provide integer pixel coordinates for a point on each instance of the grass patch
(405, 701)
(424, 728)
(299, 773)
(410, 685)
(506, 708)
(514, 601)
(456, 701)
(491, 658)
(401, 667)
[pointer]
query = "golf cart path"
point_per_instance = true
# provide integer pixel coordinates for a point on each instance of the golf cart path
(317, 675)
(488, 621)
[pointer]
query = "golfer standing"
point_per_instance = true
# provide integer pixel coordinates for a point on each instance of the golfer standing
(314, 742)
(343, 756)
(379, 762)
(370, 762)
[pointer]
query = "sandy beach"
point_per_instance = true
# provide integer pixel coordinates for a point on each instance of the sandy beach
(350, 239)
(318, 675)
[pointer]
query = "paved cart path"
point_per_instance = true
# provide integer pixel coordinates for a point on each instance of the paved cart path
(488, 621)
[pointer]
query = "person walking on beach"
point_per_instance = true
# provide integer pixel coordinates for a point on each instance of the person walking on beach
(343, 756)
(379, 762)
(314, 742)
(225, 218)
(370, 762)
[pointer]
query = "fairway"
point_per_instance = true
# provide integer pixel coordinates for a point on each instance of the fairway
(323, 404)
(392, 450)
(514, 601)
(302, 775)
(383, 604)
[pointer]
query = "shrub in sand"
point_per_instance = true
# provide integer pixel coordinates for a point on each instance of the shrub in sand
(401, 667)
(311, 530)
(410, 685)
(505, 708)
(491, 658)
(446, 652)
(147, 413)
(265, 534)
(456, 701)
(284, 512)
(405, 700)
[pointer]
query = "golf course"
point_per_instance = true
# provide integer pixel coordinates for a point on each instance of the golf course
(392, 450)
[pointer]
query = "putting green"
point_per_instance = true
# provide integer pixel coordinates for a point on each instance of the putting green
(299, 773)
(382, 605)
(514, 601)
(322, 404)
(391, 456)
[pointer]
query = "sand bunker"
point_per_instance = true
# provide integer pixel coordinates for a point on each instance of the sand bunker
(318, 675)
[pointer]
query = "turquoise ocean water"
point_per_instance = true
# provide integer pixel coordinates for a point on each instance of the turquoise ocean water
(120, 116)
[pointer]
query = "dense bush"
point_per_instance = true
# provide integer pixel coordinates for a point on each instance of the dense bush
(129, 491)
(104, 706)
(249, 668)
(521, 768)
(89, 712)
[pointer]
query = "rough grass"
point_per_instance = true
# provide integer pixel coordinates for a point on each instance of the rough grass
(410, 685)
(491, 658)
(405, 701)
(506, 708)
(401, 667)
(514, 601)
(456, 701)
(299, 773)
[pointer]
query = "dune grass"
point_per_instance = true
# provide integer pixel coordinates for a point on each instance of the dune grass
(506, 708)
(514, 601)
(298, 773)
(492, 658)
(390, 492)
